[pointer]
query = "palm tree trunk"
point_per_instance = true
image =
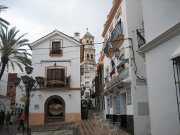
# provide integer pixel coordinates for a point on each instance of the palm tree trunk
(2, 70)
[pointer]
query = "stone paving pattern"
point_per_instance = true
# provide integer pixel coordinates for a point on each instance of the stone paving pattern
(86, 127)
(83, 127)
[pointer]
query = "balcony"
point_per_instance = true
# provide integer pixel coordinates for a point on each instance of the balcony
(115, 40)
(119, 78)
(58, 83)
(52, 52)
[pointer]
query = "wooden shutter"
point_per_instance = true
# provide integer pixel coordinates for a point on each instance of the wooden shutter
(48, 74)
(58, 74)
(63, 75)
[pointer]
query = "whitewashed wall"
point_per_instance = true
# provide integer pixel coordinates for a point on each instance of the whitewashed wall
(159, 16)
(72, 57)
(161, 88)
(69, 53)
(71, 101)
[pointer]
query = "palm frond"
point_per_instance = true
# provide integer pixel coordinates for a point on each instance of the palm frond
(2, 7)
(12, 64)
(12, 48)
(3, 22)
(19, 65)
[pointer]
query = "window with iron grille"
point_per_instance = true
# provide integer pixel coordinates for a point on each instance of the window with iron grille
(128, 98)
(56, 47)
(56, 74)
(110, 102)
(118, 103)
(87, 56)
(176, 69)
(92, 57)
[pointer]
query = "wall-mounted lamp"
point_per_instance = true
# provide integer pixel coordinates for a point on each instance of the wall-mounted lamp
(55, 64)
(117, 55)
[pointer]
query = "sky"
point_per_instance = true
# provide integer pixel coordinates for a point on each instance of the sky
(37, 18)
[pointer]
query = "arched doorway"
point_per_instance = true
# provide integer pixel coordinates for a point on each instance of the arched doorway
(54, 109)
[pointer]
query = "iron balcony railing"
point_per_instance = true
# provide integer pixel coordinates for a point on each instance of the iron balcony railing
(124, 74)
(58, 83)
(114, 35)
(55, 51)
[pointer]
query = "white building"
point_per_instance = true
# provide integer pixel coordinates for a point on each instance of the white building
(162, 53)
(125, 92)
(56, 57)
(10, 96)
(87, 64)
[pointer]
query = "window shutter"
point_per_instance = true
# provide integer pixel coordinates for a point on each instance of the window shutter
(58, 74)
(63, 75)
(48, 74)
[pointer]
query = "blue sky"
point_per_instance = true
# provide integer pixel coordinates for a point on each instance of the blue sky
(40, 17)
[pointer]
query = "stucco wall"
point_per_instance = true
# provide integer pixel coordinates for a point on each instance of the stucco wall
(161, 87)
(69, 53)
(159, 16)
(70, 59)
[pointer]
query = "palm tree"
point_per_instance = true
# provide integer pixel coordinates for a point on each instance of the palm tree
(2, 21)
(11, 49)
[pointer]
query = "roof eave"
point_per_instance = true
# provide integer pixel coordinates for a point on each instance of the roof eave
(51, 34)
(165, 36)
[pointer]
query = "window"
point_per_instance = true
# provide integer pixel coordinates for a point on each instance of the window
(87, 75)
(87, 56)
(92, 57)
(56, 47)
(86, 84)
(117, 17)
(110, 101)
(56, 74)
(56, 78)
(118, 103)
(129, 100)
(87, 41)
(110, 30)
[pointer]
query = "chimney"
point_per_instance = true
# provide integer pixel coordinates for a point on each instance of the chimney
(77, 36)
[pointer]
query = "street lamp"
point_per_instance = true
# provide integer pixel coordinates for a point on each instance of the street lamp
(29, 83)
(117, 55)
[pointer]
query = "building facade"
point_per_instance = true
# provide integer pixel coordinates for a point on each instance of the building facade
(87, 65)
(56, 58)
(123, 93)
(11, 96)
(161, 53)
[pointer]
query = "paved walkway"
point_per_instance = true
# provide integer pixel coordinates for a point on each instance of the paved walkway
(61, 128)
(84, 127)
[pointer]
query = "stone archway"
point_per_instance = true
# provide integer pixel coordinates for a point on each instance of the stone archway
(54, 109)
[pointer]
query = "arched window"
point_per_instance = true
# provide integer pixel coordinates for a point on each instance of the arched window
(91, 56)
(87, 56)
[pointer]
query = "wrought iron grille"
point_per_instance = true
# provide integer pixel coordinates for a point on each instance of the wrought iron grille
(176, 68)
(140, 37)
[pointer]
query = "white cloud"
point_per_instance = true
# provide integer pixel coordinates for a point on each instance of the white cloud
(39, 17)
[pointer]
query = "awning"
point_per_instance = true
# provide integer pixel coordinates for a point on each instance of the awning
(176, 53)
